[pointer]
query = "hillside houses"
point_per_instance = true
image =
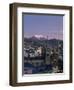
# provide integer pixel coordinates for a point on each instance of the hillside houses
(43, 57)
(32, 52)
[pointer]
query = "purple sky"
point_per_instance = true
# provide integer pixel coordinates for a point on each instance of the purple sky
(46, 25)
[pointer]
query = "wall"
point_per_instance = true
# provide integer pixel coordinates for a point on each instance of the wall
(4, 46)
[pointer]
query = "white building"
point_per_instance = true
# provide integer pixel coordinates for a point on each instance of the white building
(39, 50)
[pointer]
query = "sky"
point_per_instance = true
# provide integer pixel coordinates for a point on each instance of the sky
(43, 25)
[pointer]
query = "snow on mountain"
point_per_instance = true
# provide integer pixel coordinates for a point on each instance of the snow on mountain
(39, 36)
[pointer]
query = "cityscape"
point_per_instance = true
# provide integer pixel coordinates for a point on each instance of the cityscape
(43, 55)
(43, 52)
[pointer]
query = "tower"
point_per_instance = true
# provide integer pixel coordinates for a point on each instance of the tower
(47, 56)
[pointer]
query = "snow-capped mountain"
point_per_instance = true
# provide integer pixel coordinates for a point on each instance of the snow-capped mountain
(39, 36)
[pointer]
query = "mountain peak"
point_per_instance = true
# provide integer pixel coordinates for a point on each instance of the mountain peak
(39, 36)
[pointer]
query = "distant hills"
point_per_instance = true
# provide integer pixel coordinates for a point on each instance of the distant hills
(42, 41)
